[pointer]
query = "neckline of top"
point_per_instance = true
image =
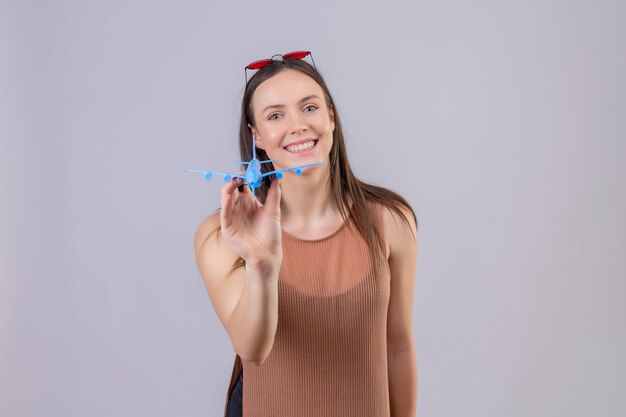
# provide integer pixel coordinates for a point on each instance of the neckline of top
(292, 237)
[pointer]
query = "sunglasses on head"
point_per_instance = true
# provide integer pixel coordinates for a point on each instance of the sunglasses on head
(278, 57)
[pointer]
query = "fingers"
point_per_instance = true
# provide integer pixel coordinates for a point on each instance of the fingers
(272, 202)
(244, 189)
(230, 195)
(229, 190)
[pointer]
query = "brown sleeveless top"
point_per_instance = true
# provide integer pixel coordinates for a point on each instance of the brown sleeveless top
(329, 356)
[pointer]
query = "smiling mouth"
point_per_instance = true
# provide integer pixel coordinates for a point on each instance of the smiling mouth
(301, 147)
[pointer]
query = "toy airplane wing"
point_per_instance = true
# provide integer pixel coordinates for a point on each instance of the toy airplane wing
(209, 174)
(298, 169)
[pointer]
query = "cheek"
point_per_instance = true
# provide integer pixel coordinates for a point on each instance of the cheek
(271, 136)
(330, 127)
(274, 137)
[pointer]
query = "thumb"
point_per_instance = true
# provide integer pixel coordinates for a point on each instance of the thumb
(272, 202)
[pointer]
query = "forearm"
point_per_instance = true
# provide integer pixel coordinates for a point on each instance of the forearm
(402, 368)
(254, 320)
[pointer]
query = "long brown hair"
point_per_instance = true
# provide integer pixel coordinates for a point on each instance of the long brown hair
(344, 184)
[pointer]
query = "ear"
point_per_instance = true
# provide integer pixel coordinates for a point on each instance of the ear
(331, 112)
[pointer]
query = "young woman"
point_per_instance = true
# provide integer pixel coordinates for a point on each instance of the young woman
(313, 277)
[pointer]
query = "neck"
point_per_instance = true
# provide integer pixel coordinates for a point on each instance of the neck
(307, 198)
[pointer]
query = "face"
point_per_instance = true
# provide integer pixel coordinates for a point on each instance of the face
(291, 115)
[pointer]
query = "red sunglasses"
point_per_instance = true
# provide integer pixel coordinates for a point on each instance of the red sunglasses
(265, 62)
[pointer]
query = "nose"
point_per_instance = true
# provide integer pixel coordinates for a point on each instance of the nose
(298, 124)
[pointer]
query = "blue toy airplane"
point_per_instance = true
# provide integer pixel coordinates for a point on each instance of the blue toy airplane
(253, 172)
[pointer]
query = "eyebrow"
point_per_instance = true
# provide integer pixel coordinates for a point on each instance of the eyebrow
(278, 106)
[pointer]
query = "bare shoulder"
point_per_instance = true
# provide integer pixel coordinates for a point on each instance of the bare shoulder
(399, 234)
(208, 243)
(208, 228)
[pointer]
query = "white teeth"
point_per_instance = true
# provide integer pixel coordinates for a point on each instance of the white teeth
(301, 147)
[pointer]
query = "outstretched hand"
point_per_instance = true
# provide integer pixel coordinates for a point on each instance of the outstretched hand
(252, 229)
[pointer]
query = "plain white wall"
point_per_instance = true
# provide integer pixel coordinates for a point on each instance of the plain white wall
(502, 122)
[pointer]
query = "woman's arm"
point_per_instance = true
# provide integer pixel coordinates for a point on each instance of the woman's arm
(245, 300)
(401, 355)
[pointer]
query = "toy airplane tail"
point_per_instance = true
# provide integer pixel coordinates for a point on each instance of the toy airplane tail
(254, 155)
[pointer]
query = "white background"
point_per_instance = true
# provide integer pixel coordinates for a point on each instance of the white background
(502, 123)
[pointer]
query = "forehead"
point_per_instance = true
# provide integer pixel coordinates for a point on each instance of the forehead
(286, 87)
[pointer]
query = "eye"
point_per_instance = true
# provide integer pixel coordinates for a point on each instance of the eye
(271, 117)
(311, 106)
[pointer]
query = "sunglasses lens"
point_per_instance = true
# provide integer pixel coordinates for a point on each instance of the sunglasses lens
(296, 55)
(259, 64)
